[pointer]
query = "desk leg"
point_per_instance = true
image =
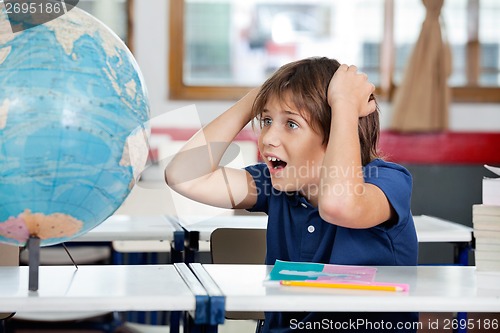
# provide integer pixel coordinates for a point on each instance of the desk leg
(461, 255)
(177, 247)
(175, 321)
(191, 247)
(191, 327)
(211, 329)
(117, 257)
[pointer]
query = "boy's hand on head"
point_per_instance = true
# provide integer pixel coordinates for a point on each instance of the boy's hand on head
(348, 86)
(249, 98)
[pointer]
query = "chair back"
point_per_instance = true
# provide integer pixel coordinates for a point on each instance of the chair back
(239, 246)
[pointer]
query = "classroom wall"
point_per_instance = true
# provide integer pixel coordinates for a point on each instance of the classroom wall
(151, 51)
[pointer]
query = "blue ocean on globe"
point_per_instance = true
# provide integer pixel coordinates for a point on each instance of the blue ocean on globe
(73, 127)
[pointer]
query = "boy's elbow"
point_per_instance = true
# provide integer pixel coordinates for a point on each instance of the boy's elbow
(341, 213)
(171, 178)
(168, 176)
(177, 185)
(330, 213)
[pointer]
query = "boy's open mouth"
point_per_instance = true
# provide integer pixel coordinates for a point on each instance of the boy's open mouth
(276, 163)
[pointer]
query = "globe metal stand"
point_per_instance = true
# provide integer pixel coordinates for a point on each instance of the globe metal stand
(34, 262)
(33, 245)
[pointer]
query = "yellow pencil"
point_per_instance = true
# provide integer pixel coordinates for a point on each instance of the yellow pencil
(371, 286)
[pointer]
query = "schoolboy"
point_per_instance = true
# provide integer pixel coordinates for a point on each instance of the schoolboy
(328, 195)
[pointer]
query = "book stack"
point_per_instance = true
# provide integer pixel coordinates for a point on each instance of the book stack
(486, 226)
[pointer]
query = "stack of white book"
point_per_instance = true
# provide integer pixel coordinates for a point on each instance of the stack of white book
(486, 225)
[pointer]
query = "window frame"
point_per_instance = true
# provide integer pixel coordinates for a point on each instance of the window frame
(471, 92)
(130, 25)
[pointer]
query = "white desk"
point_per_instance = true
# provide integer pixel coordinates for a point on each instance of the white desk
(160, 228)
(432, 289)
(106, 288)
(131, 227)
(429, 229)
(96, 288)
(205, 226)
(434, 229)
(138, 233)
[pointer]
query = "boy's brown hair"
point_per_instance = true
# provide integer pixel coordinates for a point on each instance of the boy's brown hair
(304, 83)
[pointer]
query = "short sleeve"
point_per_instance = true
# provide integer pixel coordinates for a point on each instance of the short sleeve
(396, 183)
(262, 178)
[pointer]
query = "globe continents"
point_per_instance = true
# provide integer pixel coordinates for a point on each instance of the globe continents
(73, 135)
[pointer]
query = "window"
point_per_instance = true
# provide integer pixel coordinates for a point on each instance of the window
(116, 14)
(221, 48)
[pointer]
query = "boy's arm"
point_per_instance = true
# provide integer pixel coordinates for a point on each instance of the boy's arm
(195, 172)
(345, 199)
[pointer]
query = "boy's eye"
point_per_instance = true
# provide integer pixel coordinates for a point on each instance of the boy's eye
(265, 122)
(292, 125)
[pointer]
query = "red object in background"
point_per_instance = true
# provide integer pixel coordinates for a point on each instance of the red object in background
(441, 148)
(287, 49)
(418, 148)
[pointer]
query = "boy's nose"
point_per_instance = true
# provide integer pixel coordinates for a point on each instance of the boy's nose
(270, 136)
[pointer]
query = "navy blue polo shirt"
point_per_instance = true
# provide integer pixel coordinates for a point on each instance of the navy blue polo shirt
(296, 232)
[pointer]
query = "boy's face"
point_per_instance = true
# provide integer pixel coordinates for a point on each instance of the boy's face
(291, 149)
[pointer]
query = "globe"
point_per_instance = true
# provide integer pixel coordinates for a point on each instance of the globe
(73, 127)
